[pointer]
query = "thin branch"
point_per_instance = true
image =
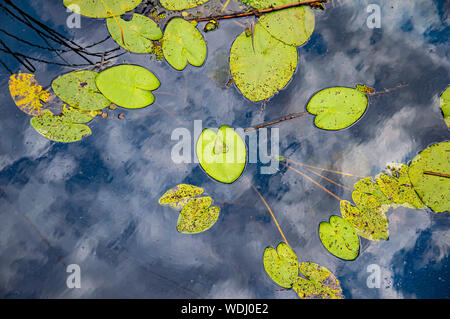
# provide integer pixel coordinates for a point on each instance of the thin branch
(313, 181)
(322, 169)
(286, 118)
(437, 174)
(257, 13)
(328, 179)
(271, 213)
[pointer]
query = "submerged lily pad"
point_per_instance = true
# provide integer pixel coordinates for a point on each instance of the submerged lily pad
(197, 216)
(320, 283)
(433, 190)
(101, 8)
(368, 219)
(67, 127)
(183, 43)
(398, 187)
(78, 89)
(339, 238)
(445, 105)
(138, 33)
(292, 26)
(128, 86)
(337, 107)
(260, 64)
(178, 196)
(222, 155)
(27, 93)
(281, 265)
(181, 4)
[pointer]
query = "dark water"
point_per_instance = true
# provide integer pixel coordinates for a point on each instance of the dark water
(94, 203)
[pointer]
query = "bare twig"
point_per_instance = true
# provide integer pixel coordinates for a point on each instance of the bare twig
(286, 118)
(437, 174)
(257, 13)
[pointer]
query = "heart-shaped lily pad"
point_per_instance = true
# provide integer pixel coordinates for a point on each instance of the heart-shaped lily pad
(128, 86)
(178, 196)
(445, 105)
(433, 190)
(320, 283)
(183, 43)
(368, 219)
(27, 93)
(398, 187)
(138, 33)
(66, 128)
(281, 265)
(197, 216)
(337, 107)
(339, 238)
(222, 155)
(292, 26)
(260, 64)
(78, 89)
(101, 8)
(181, 4)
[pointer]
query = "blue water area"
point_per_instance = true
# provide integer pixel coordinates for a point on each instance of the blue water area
(94, 203)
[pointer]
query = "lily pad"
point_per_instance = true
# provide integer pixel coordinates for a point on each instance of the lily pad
(138, 33)
(445, 105)
(339, 238)
(180, 195)
(260, 64)
(222, 155)
(128, 86)
(281, 265)
(181, 4)
(197, 216)
(292, 26)
(337, 107)
(27, 93)
(433, 190)
(78, 89)
(398, 187)
(320, 283)
(102, 8)
(66, 128)
(368, 219)
(183, 43)
(370, 187)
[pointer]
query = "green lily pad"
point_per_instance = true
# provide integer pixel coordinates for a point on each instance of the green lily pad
(138, 33)
(102, 8)
(78, 89)
(368, 219)
(281, 265)
(222, 155)
(180, 195)
(370, 187)
(66, 128)
(181, 4)
(292, 26)
(197, 216)
(339, 238)
(260, 64)
(128, 86)
(337, 107)
(398, 187)
(320, 283)
(445, 105)
(433, 190)
(183, 43)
